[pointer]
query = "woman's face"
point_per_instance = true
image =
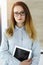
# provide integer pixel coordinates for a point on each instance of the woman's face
(19, 15)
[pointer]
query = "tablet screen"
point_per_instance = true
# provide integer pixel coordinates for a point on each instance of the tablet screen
(21, 53)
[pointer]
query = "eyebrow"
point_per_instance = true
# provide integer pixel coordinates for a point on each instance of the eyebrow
(20, 11)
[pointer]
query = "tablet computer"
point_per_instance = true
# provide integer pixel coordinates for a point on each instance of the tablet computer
(22, 53)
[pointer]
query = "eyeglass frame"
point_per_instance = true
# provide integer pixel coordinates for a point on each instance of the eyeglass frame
(22, 13)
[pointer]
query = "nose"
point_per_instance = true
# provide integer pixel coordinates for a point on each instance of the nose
(19, 16)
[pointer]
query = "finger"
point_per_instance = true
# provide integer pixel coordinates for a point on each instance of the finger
(29, 63)
(26, 60)
(29, 60)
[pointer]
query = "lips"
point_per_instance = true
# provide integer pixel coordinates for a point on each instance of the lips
(19, 19)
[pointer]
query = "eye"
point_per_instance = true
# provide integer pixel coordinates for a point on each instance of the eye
(15, 12)
(22, 12)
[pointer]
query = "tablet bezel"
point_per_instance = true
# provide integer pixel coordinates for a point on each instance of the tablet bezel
(23, 49)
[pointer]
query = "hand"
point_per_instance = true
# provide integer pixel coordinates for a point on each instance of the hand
(26, 62)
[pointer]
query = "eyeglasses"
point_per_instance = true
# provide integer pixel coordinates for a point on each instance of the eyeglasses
(22, 13)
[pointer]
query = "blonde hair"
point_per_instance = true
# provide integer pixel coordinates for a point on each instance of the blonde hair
(29, 27)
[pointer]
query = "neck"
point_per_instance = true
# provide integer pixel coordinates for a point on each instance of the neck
(20, 25)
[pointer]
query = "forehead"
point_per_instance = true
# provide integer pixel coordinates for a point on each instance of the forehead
(18, 8)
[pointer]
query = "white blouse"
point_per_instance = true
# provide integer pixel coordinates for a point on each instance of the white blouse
(19, 38)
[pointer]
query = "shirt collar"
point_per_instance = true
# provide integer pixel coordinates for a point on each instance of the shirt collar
(19, 28)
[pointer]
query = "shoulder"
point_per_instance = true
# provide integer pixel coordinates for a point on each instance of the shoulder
(36, 44)
(36, 41)
(5, 36)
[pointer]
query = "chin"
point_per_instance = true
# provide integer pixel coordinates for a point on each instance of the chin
(20, 22)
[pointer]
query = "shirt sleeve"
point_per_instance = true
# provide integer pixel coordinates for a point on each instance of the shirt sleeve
(36, 53)
(5, 57)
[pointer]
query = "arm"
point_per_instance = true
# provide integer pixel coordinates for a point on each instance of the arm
(5, 56)
(36, 53)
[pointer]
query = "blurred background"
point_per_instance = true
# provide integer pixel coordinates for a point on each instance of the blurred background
(36, 9)
(0, 27)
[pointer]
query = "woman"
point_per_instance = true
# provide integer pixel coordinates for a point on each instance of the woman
(20, 32)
